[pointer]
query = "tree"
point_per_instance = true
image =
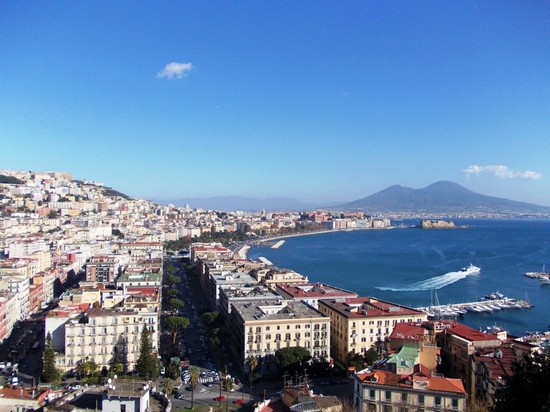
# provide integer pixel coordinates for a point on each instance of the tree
(292, 359)
(147, 365)
(210, 318)
(252, 363)
(49, 372)
(173, 280)
(227, 384)
(168, 386)
(176, 304)
(194, 373)
(172, 293)
(527, 388)
(173, 324)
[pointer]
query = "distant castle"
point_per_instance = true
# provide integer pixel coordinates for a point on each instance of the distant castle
(437, 224)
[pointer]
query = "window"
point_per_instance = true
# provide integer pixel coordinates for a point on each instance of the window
(421, 399)
(122, 408)
(372, 393)
(404, 396)
(388, 395)
(438, 401)
(454, 403)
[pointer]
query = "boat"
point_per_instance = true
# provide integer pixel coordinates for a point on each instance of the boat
(470, 270)
(494, 296)
(539, 275)
(545, 280)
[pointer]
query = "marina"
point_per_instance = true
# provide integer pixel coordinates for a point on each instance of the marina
(493, 302)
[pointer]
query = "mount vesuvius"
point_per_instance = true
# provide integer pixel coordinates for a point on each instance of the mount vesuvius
(440, 197)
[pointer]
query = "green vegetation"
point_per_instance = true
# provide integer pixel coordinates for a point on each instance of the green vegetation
(527, 388)
(174, 324)
(50, 373)
(108, 191)
(361, 361)
(194, 373)
(292, 360)
(168, 386)
(222, 237)
(252, 363)
(10, 180)
(227, 384)
(147, 365)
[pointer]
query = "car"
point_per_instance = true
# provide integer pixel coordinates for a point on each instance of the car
(219, 398)
(208, 384)
(179, 396)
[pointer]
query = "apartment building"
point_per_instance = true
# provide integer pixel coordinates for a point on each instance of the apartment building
(261, 328)
(361, 323)
(383, 391)
(458, 343)
(245, 294)
(101, 335)
(312, 292)
(102, 269)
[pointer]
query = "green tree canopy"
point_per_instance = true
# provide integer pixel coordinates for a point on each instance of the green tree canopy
(173, 280)
(147, 365)
(174, 324)
(527, 388)
(292, 359)
(172, 293)
(176, 304)
(210, 318)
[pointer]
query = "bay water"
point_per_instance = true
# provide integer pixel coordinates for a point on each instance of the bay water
(414, 267)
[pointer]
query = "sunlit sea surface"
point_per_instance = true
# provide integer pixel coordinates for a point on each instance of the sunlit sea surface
(414, 267)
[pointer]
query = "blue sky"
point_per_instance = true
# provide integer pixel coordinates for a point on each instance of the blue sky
(313, 100)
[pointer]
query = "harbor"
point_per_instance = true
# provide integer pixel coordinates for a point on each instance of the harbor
(491, 303)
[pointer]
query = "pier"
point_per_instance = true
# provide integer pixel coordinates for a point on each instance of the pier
(278, 244)
(487, 305)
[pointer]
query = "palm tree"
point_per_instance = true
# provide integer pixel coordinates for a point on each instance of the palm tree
(227, 386)
(194, 373)
(168, 386)
(252, 362)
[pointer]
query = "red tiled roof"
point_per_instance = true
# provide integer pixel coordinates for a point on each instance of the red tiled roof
(471, 334)
(408, 331)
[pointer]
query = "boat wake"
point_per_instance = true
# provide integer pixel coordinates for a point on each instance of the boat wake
(436, 282)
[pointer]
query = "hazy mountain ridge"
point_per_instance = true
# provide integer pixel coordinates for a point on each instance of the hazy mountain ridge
(442, 196)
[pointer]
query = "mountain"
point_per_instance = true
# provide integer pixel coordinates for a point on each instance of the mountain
(246, 204)
(440, 197)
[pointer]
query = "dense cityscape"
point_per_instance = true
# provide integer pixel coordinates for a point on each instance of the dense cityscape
(119, 301)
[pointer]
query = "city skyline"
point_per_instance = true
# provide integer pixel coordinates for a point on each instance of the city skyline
(316, 102)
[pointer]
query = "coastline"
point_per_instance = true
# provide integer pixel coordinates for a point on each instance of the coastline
(242, 251)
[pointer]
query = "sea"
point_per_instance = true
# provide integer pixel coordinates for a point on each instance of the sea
(419, 267)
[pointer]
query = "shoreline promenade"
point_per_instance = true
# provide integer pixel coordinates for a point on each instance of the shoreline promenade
(242, 250)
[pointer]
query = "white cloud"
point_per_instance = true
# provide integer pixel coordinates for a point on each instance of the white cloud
(502, 171)
(175, 70)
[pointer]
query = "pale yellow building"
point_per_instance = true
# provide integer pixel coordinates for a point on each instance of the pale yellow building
(261, 328)
(100, 335)
(359, 324)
